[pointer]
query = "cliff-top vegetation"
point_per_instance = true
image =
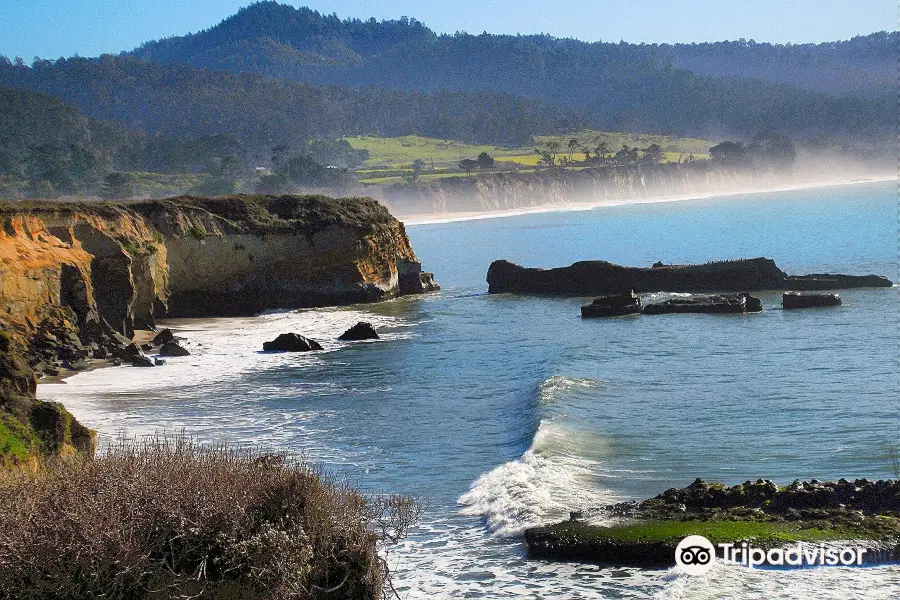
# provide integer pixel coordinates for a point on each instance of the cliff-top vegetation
(174, 519)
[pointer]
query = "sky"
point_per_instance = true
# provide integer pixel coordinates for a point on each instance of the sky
(54, 28)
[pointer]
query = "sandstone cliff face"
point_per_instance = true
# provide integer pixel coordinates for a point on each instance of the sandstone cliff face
(130, 263)
(77, 279)
(510, 191)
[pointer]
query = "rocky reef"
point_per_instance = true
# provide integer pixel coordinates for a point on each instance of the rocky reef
(761, 513)
(616, 305)
(597, 277)
(791, 300)
(77, 279)
(725, 304)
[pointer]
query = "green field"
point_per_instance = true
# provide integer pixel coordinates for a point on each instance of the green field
(399, 153)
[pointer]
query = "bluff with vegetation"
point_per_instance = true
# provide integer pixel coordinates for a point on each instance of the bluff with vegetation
(76, 279)
(510, 191)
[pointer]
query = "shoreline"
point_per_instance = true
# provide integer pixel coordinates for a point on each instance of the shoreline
(141, 337)
(454, 217)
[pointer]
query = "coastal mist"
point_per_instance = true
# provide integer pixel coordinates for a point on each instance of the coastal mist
(502, 412)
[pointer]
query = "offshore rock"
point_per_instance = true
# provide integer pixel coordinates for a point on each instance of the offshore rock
(791, 300)
(173, 349)
(862, 510)
(612, 306)
(599, 277)
(360, 331)
(291, 342)
(727, 304)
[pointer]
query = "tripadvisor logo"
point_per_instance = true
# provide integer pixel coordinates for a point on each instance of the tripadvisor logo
(695, 555)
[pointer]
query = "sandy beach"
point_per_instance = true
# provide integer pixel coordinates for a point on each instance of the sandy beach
(436, 218)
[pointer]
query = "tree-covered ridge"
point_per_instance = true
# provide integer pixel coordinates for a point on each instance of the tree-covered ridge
(261, 112)
(865, 64)
(304, 45)
(739, 88)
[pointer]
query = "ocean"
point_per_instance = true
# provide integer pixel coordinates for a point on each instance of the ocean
(500, 411)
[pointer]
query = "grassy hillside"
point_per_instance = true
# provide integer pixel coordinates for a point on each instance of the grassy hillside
(398, 153)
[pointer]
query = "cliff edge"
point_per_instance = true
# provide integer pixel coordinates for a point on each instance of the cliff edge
(76, 279)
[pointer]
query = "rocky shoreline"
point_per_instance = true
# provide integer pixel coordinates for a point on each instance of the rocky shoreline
(78, 280)
(761, 513)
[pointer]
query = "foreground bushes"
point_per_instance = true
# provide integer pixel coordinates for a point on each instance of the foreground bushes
(171, 518)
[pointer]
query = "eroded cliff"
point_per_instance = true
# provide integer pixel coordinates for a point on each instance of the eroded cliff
(510, 191)
(76, 279)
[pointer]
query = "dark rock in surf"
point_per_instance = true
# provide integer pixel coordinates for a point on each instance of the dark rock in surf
(129, 352)
(163, 337)
(612, 306)
(796, 300)
(726, 304)
(173, 349)
(142, 361)
(360, 331)
(291, 342)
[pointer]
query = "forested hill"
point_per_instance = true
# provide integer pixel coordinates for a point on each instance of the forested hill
(864, 65)
(302, 44)
(276, 75)
(262, 112)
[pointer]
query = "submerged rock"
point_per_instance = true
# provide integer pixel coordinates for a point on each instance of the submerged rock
(612, 306)
(796, 300)
(291, 342)
(360, 331)
(173, 349)
(142, 361)
(726, 304)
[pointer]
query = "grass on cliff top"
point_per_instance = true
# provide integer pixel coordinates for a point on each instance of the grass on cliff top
(259, 213)
(716, 531)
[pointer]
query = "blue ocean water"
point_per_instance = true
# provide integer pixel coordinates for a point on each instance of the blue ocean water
(504, 411)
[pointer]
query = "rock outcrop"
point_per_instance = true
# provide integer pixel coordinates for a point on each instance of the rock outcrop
(727, 304)
(291, 342)
(616, 305)
(360, 331)
(76, 279)
(588, 278)
(791, 300)
(646, 533)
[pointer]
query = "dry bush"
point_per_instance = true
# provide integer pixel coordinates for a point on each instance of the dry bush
(174, 519)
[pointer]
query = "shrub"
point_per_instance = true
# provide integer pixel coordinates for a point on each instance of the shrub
(174, 519)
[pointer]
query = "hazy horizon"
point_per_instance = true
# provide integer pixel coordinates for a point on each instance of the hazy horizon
(78, 27)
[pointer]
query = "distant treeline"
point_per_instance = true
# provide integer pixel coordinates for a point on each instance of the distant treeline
(262, 112)
(725, 88)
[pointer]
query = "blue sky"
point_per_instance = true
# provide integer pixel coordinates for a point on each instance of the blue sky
(53, 28)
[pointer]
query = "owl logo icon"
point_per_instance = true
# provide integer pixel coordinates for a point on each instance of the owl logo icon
(695, 555)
